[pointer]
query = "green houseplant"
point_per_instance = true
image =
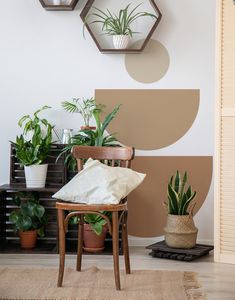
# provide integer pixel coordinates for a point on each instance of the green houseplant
(180, 231)
(29, 219)
(32, 152)
(119, 26)
(95, 230)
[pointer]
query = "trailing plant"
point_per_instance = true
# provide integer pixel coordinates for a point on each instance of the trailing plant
(117, 24)
(89, 137)
(84, 107)
(30, 215)
(179, 197)
(35, 150)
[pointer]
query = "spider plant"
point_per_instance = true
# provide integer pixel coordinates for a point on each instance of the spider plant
(113, 24)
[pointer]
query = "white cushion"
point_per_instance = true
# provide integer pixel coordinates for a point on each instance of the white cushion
(98, 183)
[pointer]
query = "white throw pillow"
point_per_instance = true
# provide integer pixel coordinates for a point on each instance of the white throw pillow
(98, 183)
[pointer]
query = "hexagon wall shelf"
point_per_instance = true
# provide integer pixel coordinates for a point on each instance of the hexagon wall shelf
(48, 5)
(85, 12)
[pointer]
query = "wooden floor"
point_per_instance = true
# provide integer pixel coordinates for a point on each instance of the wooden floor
(218, 280)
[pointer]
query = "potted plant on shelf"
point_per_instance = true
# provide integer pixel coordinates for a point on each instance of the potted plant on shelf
(84, 107)
(118, 25)
(29, 220)
(32, 152)
(180, 231)
(92, 137)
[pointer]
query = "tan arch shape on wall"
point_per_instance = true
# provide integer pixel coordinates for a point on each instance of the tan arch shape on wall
(150, 119)
(147, 215)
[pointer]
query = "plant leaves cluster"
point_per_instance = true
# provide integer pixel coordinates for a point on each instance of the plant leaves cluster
(118, 24)
(84, 107)
(30, 215)
(35, 150)
(179, 197)
(89, 137)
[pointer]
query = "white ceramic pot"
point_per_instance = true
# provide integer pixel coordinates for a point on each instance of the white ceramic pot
(120, 41)
(57, 2)
(35, 176)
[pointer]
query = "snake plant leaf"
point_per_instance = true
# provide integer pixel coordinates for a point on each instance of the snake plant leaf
(177, 182)
(183, 184)
(173, 198)
(185, 207)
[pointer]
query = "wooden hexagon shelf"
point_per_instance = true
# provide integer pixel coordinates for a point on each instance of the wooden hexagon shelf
(48, 5)
(85, 12)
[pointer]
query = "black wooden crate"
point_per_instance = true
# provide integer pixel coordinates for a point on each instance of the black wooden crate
(161, 250)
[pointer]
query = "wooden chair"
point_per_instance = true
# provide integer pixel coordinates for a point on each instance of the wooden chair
(113, 156)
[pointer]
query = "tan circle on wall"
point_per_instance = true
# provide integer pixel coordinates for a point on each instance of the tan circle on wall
(147, 215)
(150, 65)
(150, 119)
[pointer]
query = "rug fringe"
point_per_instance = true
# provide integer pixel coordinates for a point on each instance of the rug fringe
(192, 287)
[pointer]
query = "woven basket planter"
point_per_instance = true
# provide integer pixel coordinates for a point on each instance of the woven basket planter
(180, 231)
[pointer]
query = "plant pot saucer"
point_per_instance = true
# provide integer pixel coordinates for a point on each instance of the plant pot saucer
(93, 250)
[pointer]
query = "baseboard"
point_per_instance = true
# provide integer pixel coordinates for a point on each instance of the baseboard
(143, 242)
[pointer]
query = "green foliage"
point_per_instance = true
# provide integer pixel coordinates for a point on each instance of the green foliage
(89, 137)
(113, 24)
(30, 215)
(35, 150)
(179, 197)
(84, 107)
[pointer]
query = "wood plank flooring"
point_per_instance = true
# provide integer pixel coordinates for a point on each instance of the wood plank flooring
(218, 280)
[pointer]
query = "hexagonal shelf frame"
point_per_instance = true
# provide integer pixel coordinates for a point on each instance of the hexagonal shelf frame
(85, 12)
(70, 6)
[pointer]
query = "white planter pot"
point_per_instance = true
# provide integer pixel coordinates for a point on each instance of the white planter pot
(120, 41)
(57, 2)
(35, 176)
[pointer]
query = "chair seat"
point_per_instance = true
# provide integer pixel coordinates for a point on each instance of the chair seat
(91, 207)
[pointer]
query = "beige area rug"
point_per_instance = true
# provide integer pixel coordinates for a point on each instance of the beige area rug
(94, 284)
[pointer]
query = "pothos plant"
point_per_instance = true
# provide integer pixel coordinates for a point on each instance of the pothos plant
(33, 151)
(30, 214)
(179, 197)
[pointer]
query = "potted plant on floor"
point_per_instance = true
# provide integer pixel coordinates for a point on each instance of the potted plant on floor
(180, 231)
(29, 220)
(95, 230)
(118, 25)
(33, 152)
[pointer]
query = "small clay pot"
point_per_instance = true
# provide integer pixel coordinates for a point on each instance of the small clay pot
(92, 241)
(88, 128)
(28, 239)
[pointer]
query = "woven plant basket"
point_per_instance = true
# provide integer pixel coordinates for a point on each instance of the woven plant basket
(180, 231)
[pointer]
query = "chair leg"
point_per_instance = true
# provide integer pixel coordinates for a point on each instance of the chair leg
(125, 243)
(115, 239)
(60, 216)
(80, 243)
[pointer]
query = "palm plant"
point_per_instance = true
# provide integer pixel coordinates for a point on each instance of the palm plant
(90, 137)
(178, 198)
(113, 24)
(84, 107)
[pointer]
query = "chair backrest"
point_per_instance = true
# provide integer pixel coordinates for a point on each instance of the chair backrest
(112, 156)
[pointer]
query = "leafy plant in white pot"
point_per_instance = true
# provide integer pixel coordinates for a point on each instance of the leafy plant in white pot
(180, 231)
(118, 25)
(32, 153)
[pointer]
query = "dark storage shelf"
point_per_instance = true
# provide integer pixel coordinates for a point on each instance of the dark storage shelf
(59, 176)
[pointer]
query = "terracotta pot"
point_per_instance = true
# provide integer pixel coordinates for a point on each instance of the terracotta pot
(92, 241)
(88, 127)
(28, 239)
(180, 231)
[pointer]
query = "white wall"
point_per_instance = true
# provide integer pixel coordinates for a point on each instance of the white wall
(44, 60)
